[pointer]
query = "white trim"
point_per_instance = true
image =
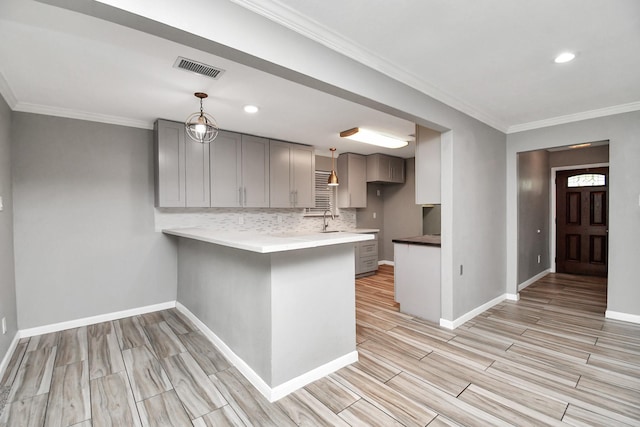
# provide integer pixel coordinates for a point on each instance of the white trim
(278, 392)
(625, 317)
(386, 262)
(7, 93)
(9, 353)
(569, 118)
(452, 324)
(55, 327)
(533, 279)
(294, 384)
(553, 207)
(512, 297)
(80, 115)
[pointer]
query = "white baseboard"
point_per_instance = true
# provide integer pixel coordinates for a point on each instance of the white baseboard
(512, 297)
(452, 324)
(55, 327)
(533, 279)
(386, 262)
(7, 357)
(278, 392)
(625, 317)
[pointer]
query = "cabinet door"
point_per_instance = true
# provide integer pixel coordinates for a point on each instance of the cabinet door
(352, 173)
(255, 172)
(170, 164)
(303, 174)
(226, 170)
(396, 170)
(428, 146)
(197, 174)
(279, 175)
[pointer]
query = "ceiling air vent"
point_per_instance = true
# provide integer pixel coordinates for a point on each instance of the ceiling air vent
(198, 67)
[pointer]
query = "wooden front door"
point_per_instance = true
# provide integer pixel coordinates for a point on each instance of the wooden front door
(582, 221)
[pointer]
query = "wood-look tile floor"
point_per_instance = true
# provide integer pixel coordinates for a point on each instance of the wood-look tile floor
(549, 359)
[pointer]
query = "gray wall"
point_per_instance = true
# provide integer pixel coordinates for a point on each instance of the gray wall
(402, 217)
(533, 213)
(579, 156)
(623, 133)
(7, 278)
(85, 243)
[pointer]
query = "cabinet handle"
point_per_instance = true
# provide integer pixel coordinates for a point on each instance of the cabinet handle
(240, 196)
(245, 196)
(295, 198)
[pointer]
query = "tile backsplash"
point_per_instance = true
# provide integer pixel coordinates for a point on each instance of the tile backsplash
(261, 220)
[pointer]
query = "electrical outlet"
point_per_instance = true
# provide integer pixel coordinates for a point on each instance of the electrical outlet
(1, 204)
(4, 325)
(378, 193)
(374, 215)
(279, 219)
(241, 220)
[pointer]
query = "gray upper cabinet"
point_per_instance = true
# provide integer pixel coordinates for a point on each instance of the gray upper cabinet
(292, 175)
(352, 174)
(239, 171)
(182, 167)
(170, 164)
(428, 146)
(197, 173)
(383, 168)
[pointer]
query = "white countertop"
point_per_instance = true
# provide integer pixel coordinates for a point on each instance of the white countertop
(269, 243)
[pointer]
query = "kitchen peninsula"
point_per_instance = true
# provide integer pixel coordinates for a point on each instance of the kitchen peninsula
(280, 306)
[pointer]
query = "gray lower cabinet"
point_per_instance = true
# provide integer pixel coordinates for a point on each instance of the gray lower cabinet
(182, 167)
(366, 257)
(239, 171)
(292, 175)
(352, 174)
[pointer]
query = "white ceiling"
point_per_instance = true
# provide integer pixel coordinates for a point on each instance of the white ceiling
(492, 59)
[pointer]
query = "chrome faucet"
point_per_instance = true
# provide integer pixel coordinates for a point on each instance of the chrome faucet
(325, 223)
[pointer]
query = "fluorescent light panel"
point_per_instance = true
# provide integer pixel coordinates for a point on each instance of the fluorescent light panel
(374, 138)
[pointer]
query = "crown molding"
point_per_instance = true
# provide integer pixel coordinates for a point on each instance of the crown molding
(313, 30)
(80, 115)
(7, 93)
(570, 118)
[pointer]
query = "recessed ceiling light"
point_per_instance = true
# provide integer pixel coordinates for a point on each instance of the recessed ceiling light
(564, 57)
(251, 109)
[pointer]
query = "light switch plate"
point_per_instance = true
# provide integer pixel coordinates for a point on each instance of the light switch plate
(1, 204)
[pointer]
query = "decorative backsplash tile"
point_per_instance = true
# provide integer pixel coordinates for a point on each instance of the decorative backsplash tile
(261, 220)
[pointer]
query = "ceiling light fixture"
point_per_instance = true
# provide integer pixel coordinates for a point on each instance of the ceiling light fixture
(371, 137)
(564, 57)
(201, 127)
(584, 145)
(333, 178)
(251, 109)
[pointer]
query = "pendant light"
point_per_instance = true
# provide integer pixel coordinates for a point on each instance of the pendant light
(201, 127)
(333, 178)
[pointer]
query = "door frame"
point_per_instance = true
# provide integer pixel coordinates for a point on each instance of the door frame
(552, 213)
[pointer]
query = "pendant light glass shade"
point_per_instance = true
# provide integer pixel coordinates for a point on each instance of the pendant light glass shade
(333, 178)
(201, 127)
